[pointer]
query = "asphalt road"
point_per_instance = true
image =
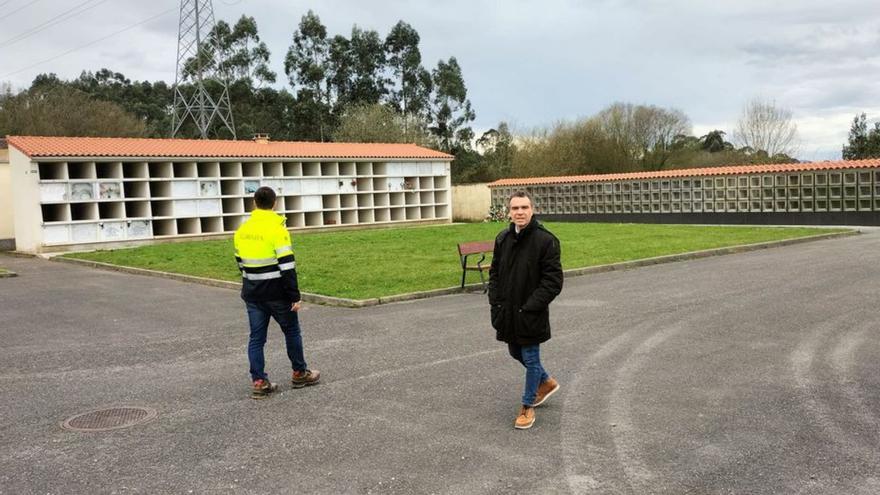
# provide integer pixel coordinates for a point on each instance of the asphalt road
(750, 373)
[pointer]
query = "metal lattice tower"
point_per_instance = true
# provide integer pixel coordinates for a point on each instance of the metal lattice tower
(194, 100)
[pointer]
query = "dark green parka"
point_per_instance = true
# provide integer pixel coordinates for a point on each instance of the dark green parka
(525, 276)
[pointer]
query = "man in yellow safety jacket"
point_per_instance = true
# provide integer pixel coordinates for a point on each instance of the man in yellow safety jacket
(269, 289)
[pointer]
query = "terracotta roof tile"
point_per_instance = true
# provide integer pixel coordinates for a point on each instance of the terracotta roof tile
(58, 147)
(694, 172)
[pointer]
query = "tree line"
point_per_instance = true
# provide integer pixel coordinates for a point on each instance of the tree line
(368, 88)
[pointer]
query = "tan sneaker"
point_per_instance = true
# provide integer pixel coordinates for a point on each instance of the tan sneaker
(545, 390)
(526, 418)
(263, 389)
(305, 378)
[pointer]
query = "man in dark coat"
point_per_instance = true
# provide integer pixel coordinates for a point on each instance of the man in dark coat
(525, 276)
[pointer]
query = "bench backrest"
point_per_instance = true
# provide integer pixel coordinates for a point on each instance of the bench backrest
(475, 247)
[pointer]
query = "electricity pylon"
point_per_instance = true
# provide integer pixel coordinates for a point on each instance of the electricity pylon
(198, 61)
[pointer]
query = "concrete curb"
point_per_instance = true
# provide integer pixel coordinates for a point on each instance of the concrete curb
(411, 296)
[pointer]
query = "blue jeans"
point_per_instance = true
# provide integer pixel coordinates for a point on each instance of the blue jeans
(258, 317)
(530, 357)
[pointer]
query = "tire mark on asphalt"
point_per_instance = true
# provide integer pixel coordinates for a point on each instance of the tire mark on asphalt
(579, 457)
(802, 363)
(843, 357)
(625, 435)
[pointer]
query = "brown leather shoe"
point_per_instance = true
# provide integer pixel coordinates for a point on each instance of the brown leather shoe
(305, 378)
(526, 418)
(263, 389)
(545, 390)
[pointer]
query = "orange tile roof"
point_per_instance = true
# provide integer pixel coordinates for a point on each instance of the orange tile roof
(694, 172)
(60, 147)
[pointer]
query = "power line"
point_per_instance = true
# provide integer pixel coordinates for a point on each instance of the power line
(160, 14)
(4, 3)
(51, 22)
(20, 8)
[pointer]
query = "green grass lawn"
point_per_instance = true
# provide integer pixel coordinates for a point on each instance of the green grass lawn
(362, 264)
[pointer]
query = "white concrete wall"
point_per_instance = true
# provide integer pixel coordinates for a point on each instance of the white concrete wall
(470, 202)
(26, 198)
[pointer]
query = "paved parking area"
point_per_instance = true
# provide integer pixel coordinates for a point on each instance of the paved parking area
(750, 373)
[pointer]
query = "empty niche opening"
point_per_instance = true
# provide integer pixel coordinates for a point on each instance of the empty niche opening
(349, 217)
(365, 200)
(185, 169)
(331, 218)
(293, 203)
(397, 199)
(137, 170)
(292, 169)
(380, 168)
(160, 189)
(440, 183)
(313, 219)
(398, 214)
(161, 208)
(806, 206)
(52, 171)
(412, 198)
(56, 213)
(252, 169)
(849, 204)
(426, 183)
(443, 210)
(380, 199)
(364, 168)
(233, 205)
(231, 188)
(380, 184)
(382, 215)
(249, 205)
(108, 170)
(365, 216)
(347, 168)
(211, 225)
(426, 197)
(412, 213)
(329, 169)
(209, 169)
(230, 169)
(83, 211)
(136, 189)
(295, 220)
(81, 170)
(364, 184)
(231, 223)
(273, 169)
(160, 170)
(330, 201)
(188, 226)
(164, 227)
(111, 210)
(311, 169)
(348, 201)
(136, 209)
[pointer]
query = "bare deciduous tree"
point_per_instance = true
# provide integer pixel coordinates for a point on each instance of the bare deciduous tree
(765, 127)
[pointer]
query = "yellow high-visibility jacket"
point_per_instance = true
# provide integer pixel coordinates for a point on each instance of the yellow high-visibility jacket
(265, 258)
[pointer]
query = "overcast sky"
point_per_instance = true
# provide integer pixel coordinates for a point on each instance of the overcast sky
(530, 63)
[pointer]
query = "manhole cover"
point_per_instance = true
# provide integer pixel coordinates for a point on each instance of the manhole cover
(109, 419)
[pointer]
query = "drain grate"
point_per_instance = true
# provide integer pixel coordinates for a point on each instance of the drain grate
(109, 419)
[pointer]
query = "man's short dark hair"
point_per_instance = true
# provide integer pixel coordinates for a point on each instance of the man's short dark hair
(264, 198)
(520, 194)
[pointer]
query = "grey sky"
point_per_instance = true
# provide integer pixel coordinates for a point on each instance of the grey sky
(533, 63)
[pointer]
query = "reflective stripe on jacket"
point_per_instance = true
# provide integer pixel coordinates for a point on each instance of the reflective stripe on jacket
(265, 259)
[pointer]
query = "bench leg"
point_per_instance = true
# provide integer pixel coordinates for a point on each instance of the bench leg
(483, 281)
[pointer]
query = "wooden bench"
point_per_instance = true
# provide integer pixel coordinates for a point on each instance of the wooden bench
(466, 249)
